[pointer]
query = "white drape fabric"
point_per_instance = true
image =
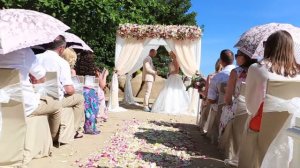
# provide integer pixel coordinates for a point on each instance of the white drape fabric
(188, 54)
(128, 95)
(13, 92)
(127, 55)
(280, 152)
(129, 98)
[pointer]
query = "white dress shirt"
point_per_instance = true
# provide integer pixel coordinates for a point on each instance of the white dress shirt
(52, 62)
(26, 62)
(221, 77)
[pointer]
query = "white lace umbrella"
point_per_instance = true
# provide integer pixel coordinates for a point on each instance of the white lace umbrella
(251, 42)
(20, 28)
(75, 39)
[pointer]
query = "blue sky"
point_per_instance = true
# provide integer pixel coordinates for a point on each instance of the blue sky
(226, 20)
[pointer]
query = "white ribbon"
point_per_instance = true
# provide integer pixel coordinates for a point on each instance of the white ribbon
(113, 99)
(128, 98)
(10, 92)
(48, 88)
(280, 152)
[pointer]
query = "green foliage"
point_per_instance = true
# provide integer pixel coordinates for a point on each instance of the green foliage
(96, 21)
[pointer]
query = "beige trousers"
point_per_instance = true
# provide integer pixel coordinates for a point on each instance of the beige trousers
(49, 106)
(213, 127)
(148, 92)
(204, 115)
(76, 102)
(231, 139)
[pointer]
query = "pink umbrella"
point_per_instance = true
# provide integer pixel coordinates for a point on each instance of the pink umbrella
(22, 28)
(251, 42)
(75, 39)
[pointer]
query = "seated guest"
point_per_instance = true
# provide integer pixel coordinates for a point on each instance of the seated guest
(86, 66)
(278, 64)
(103, 110)
(216, 91)
(234, 113)
(206, 106)
(71, 57)
(53, 62)
(26, 62)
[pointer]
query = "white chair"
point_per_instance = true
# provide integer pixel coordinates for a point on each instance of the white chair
(272, 122)
(13, 132)
(78, 84)
(22, 138)
(81, 79)
(49, 87)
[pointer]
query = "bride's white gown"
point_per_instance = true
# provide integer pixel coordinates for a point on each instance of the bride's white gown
(173, 99)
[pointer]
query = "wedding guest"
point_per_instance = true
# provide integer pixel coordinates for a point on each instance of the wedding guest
(206, 106)
(85, 64)
(216, 91)
(278, 64)
(26, 62)
(103, 110)
(53, 62)
(234, 113)
(71, 57)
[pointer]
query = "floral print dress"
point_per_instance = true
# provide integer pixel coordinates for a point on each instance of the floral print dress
(91, 108)
(238, 106)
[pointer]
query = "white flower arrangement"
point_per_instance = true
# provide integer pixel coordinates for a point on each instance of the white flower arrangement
(177, 32)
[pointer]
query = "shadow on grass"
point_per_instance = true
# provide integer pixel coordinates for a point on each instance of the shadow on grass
(164, 159)
(167, 160)
(187, 138)
(136, 106)
(173, 139)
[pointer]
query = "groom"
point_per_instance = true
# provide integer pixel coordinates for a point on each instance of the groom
(148, 78)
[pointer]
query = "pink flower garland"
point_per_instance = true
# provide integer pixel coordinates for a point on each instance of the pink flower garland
(182, 32)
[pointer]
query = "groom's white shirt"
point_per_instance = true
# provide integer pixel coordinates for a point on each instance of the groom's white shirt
(148, 70)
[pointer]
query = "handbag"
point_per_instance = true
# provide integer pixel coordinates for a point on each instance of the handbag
(255, 122)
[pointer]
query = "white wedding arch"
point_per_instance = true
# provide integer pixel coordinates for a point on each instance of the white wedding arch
(133, 44)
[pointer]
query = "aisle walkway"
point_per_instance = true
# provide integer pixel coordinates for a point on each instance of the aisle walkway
(138, 138)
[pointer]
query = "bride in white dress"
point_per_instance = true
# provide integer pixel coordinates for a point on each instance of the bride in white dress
(173, 99)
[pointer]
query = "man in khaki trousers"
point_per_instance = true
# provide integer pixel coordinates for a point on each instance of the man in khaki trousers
(52, 61)
(149, 74)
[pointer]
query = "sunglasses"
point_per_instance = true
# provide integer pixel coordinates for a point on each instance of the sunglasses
(238, 54)
(264, 44)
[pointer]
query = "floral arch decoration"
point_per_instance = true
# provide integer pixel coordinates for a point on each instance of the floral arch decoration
(133, 44)
(182, 32)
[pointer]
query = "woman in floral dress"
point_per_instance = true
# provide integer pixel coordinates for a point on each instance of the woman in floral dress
(234, 113)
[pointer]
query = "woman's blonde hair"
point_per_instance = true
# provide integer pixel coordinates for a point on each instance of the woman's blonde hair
(279, 51)
(70, 56)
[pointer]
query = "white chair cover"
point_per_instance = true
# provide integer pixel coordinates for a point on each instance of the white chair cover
(280, 152)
